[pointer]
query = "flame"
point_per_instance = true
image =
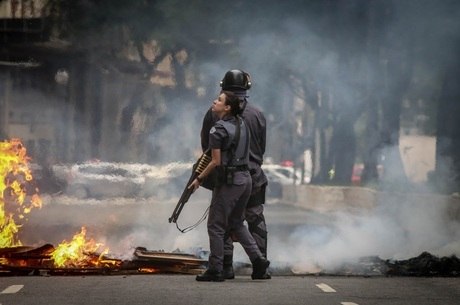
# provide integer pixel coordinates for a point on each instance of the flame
(149, 270)
(15, 202)
(79, 252)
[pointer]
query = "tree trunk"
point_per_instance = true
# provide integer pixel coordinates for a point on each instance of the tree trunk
(371, 155)
(343, 147)
(392, 56)
(447, 171)
(322, 162)
(373, 93)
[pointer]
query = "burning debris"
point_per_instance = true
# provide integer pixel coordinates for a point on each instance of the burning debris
(76, 252)
(146, 261)
(82, 255)
(22, 260)
(17, 194)
(18, 197)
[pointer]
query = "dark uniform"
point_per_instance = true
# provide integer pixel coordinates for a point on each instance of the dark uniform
(256, 122)
(239, 82)
(229, 199)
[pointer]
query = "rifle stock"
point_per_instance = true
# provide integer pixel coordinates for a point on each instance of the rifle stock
(197, 169)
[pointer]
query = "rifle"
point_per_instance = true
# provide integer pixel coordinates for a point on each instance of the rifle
(197, 169)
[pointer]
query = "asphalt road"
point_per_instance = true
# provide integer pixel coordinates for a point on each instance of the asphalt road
(183, 289)
(144, 223)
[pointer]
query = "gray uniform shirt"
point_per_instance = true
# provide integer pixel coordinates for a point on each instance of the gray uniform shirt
(256, 122)
(219, 139)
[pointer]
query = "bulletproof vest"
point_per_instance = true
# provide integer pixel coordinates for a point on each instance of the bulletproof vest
(235, 155)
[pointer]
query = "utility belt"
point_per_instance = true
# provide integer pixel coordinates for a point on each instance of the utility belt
(222, 175)
(226, 174)
(239, 168)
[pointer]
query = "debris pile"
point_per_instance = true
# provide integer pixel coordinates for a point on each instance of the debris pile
(23, 260)
(425, 264)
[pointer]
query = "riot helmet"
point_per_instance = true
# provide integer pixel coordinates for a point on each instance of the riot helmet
(236, 79)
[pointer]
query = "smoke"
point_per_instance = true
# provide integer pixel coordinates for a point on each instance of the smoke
(175, 141)
(273, 49)
(400, 227)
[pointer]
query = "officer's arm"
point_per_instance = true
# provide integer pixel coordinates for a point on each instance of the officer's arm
(215, 161)
(208, 122)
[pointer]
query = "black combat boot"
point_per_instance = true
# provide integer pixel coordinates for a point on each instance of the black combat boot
(259, 269)
(229, 274)
(211, 276)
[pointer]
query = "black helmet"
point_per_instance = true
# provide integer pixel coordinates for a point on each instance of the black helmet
(236, 79)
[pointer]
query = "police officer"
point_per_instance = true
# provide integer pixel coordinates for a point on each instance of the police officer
(229, 142)
(239, 82)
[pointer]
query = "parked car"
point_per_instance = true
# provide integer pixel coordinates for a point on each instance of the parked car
(279, 175)
(96, 179)
(100, 179)
(167, 180)
(286, 174)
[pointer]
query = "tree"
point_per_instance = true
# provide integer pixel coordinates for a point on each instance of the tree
(319, 68)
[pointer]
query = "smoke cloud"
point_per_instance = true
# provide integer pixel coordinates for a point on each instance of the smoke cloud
(398, 228)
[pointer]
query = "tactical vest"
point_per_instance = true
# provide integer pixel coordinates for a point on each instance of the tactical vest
(239, 155)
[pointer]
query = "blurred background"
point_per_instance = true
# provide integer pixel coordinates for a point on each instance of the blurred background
(355, 92)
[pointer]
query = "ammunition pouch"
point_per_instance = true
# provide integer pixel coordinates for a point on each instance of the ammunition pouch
(225, 175)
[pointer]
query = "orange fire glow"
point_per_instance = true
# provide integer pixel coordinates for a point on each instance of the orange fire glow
(15, 201)
(79, 252)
